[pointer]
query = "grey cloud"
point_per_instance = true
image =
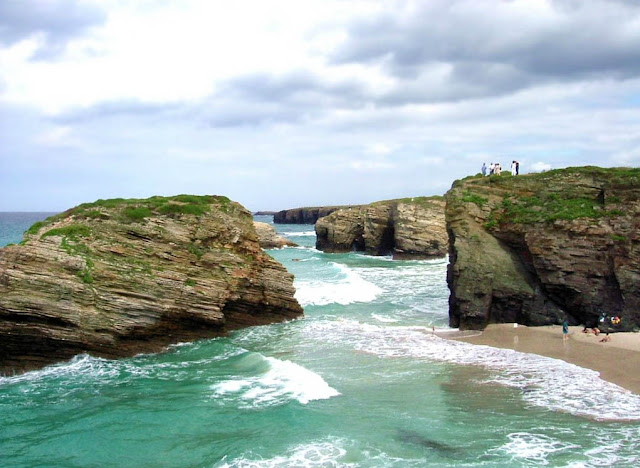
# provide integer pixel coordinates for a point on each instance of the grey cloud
(298, 88)
(246, 101)
(58, 20)
(585, 40)
(117, 109)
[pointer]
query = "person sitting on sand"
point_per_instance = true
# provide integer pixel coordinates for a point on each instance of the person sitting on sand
(606, 338)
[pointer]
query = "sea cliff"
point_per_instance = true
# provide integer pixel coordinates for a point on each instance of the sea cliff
(119, 277)
(306, 215)
(541, 248)
(405, 228)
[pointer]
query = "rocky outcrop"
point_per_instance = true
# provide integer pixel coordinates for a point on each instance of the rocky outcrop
(307, 215)
(119, 277)
(264, 213)
(541, 248)
(406, 228)
(269, 238)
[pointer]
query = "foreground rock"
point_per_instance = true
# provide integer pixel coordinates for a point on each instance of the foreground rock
(407, 228)
(119, 277)
(308, 215)
(540, 248)
(269, 238)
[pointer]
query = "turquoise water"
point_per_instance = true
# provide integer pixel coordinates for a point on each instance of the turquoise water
(361, 381)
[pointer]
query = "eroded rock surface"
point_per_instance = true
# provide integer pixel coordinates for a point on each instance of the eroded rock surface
(269, 238)
(119, 277)
(407, 228)
(539, 248)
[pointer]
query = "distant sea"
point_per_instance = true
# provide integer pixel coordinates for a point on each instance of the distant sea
(13, 225)
(361, 381)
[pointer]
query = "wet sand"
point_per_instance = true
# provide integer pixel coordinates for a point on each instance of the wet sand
(617, 361)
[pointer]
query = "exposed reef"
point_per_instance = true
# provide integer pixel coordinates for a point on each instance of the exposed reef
(269, 238)
(308, 215)
(119, 277)
(405, 228)
(540, 248)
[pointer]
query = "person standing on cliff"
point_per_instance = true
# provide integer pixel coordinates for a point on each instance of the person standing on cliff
(517, 167)
(484, 169)
(513, 168)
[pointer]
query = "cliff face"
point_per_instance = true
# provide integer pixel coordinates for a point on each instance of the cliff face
(540, 248)
(119, 277)
(307, 215)
(407, 228)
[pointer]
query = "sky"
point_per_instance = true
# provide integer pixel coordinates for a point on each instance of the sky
(291, 103)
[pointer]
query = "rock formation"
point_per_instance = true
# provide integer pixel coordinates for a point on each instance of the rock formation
(406, 228)
(541, 248)
(119, 277)
(307, 215)
(269, 238)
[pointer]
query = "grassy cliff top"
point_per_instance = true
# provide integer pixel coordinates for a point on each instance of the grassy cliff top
(422, 201)
(561, 194)
(134, 210)
(570, 175)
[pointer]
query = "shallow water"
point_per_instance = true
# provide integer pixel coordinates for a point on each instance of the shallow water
(361, 381)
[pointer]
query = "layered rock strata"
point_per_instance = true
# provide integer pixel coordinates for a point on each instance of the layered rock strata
(308, 215)
(119, 277)
(542, 248)
(407, 228)
(269, 238)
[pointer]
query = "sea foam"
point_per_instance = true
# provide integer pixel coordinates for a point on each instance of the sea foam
(544, 382)
(346, 287)
(298, 233)
(279, 382)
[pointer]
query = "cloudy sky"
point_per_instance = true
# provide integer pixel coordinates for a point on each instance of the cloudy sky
(285, 103)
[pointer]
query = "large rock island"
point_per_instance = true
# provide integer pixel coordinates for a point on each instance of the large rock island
(408, 228)
(541, 248)
(119, 277)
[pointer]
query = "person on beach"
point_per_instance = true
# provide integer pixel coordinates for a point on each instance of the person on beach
(565, 330)
(606, 338)
(484, 169)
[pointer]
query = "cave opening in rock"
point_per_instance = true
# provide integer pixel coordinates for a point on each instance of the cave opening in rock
(387, 241)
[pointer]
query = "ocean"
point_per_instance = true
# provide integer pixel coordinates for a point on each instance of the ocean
(361, 381)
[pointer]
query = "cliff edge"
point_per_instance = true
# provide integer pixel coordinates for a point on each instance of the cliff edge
(409, 228)
(540, 248)
(119, 277)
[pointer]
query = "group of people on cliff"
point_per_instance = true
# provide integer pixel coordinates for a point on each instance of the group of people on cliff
(496, 168)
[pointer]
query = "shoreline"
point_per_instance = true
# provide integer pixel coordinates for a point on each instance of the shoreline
(617, 361)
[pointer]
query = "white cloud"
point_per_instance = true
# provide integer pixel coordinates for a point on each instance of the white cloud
(267, 101)
(365, 165)
(378, 149)
(540, 166)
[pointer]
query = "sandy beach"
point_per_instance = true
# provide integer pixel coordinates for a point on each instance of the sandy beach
(617, 361)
